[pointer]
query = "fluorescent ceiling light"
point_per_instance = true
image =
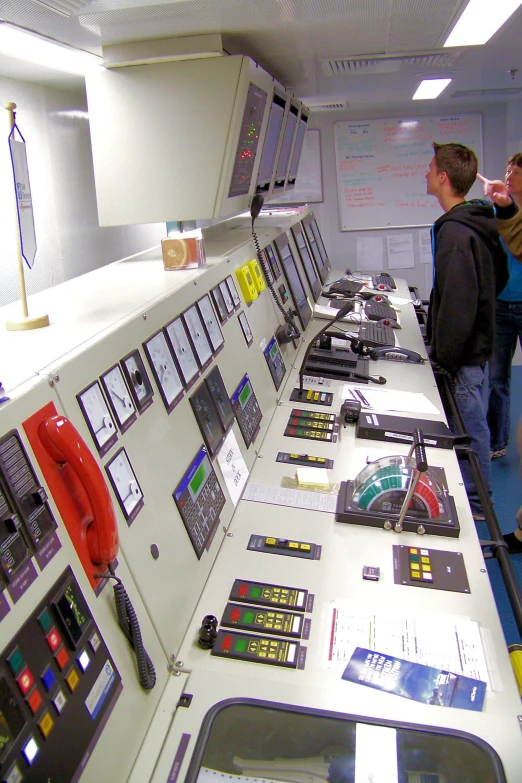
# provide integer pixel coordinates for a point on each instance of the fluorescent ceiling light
(480, 21)
(430, 88)
(31, 48)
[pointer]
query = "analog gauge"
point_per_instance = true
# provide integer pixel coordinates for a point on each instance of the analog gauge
(119, 397)
(125, 485)
(211, 325)
(164, 369)
(219, 303)
(233, 291)
(229, 304)
(183, 352)
(197, 335)
(138, 380)
(245, 326)
(98, 417)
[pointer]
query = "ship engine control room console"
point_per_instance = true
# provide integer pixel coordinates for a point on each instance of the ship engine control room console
(235, 541)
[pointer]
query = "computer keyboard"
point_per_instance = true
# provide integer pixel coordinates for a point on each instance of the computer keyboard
(383, 279)
(374, 334)
(345, 287)
(377, 310)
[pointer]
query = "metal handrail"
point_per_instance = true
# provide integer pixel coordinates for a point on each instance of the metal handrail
(497, 543)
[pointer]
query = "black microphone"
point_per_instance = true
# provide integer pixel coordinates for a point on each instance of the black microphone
(340, 314)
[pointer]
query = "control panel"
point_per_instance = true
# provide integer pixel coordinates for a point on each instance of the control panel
(58, 683)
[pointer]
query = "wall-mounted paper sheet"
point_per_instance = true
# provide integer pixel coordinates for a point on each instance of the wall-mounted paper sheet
(426, 256)
(370, 257)
(400, 251)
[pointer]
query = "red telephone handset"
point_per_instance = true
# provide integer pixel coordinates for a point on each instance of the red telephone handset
(64, 444)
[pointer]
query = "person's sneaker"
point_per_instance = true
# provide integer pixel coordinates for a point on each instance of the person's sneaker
(514, 545)
(497, 454)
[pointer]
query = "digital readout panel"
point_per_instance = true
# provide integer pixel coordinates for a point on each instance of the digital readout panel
(199, 499)
(247, 410)
(275, 362)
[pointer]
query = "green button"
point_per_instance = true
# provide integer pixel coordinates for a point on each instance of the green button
(414, 558)
(255, 592)
(45, 621)
(16, 661)
(248, 617)
(240, 645)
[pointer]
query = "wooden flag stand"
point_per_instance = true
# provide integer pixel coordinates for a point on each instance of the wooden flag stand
(25, 322)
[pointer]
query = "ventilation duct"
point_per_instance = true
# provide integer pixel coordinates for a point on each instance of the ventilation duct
(386, 63)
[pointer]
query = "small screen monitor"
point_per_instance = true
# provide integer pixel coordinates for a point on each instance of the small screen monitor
(298, 148)
(308, 265)
(317, 247)
(286, 145)
(293, 279)
(271, 143)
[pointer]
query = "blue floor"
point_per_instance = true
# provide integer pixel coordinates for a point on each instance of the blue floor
(507, 498)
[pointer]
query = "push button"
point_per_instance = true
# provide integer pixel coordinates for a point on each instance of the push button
(35, 701)
(53, 639)
(62, 656)
(46, 724)
(59, 702)
(45, 621)
(48, 679)
(14, 775)
(30, 750)
(25, 681)
(72, 680)
(15, 661)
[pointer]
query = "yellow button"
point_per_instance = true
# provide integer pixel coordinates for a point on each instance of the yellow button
(270, 541)
(305, 547)
(309, 395)
(293, 545)
(413, 551)
(72, 679)
(316, 396)
(414, 572)
(426, 568)
(312, 459)
(294, 456)
(321, 459)
(46, 724)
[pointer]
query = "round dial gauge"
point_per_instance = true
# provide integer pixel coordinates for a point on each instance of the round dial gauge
(119, 395)
(164, 368)
(229, 304)
(125, 483)
(211, 324)
(182, 350)
(140, 383)
(97, 415)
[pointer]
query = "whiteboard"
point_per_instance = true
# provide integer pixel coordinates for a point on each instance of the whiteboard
(381, 167)
(308, 183)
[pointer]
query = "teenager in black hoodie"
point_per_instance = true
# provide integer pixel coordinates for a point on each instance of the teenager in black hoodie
(470, 268)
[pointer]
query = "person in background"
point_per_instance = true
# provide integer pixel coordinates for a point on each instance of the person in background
(508, 328)
(509, 224)
(470, 269)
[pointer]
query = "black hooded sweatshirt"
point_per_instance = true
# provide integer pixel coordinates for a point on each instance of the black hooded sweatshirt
(470, 270)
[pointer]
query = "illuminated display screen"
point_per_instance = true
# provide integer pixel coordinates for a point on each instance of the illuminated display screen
(73, 613)
(286, 146)
(245, 395)
(274, 350)
(198, 479)
(275, 121)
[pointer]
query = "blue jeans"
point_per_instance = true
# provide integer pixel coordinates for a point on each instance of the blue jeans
(508, 326)
(468, 395)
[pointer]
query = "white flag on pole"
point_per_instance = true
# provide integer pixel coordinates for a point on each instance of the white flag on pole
(24, 202)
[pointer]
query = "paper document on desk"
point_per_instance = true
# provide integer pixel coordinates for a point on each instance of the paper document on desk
(294, 498)
(389, 400)
(327, 311)
(439, 640)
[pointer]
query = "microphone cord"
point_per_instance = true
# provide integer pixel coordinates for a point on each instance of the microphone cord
(130, 626)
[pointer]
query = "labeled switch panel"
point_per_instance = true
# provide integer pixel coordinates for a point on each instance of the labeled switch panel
(251, 618)
(257, 649)
(57, 684)
(247, 410)
(306, 460)
(284, 546)
(311, 396)
(22, 497)
(264, 594)
(275, 362)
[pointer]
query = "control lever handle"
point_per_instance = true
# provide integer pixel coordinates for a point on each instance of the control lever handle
(420, 451)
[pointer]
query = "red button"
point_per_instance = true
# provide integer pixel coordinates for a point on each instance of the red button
(227, 643)
(291, 431)
(34, 700)
(234, 615)
(25, 681)
(295, 422)
(62, 656)
(243, 589)
(53, 639)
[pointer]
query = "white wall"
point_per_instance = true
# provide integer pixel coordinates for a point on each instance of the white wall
(342, 245)
(55, 126)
